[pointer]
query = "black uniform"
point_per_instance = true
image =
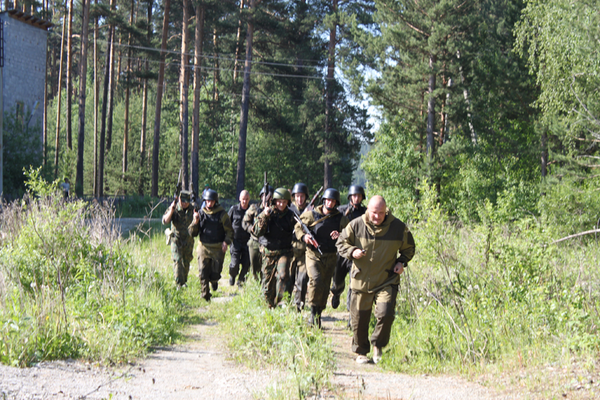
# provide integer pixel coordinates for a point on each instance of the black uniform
(239, 247)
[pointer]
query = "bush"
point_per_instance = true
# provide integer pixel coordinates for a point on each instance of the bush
(69, 287)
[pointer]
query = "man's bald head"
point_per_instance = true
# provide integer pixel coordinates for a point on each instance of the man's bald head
(244, 199)
(376, 210)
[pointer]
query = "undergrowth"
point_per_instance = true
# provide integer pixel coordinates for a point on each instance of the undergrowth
(69, 286)
(279, 337)
(493, 293)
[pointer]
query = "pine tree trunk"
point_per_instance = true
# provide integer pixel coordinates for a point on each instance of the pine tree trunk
(127, 90)
(183, 100)
(96, 99)
(59, 90)
(159, 92)
(101, 152)
(111, 91)
(199, 40)
(237, 43)
(241, 162)
(327, 167)
(145, 109)
(69, 76)
(431, 110)
(216, 69)
(82, 97)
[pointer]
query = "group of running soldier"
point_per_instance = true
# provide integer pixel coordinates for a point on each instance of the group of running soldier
(305, 250)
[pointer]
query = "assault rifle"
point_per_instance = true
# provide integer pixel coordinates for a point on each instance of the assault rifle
(267, 193)
(178, 188)
(306, 230)
(311, 205)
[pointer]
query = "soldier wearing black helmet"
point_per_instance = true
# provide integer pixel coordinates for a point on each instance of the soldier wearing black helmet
(253, 245)
(180, 215)
(352, 210)
(213, 226)
(274, 227)
(326, 223)
(298, 275)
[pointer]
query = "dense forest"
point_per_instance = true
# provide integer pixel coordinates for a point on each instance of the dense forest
(489, 101)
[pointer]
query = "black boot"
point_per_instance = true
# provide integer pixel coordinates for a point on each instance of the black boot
(315, 317)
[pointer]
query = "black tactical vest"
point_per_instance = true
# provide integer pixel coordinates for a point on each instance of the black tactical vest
(279, 232)
(236, 214)
(323, 230)
(352, 212)
(211, 228)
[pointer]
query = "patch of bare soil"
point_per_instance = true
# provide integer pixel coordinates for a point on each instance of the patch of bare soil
(370, 382)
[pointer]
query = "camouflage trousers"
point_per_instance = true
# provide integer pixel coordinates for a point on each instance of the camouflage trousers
(255, 258)
(361, 305)
(182, 253)
(275, 271)
(320, 271)
(210, 266)
(299, 278)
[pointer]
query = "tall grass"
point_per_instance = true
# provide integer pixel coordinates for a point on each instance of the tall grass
(279, 337)
(492, 293)
(70, 288)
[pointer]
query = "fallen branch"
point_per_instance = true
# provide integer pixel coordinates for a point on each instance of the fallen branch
(576, 235)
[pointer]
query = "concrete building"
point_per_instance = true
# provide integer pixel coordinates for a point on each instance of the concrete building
(24, 70)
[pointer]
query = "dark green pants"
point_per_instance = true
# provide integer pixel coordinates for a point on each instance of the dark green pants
(182, 253)
(255, 259)
(320, 271)
(275, 275)
(361, 305)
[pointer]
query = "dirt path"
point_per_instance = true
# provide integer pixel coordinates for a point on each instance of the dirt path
(201, 369)
(370, 382)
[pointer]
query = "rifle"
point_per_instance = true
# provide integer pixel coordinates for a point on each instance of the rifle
(311, 205)
(178, 188)
(306, 230)
(267, 193)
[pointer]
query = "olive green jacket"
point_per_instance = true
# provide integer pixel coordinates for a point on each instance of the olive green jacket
(385, 245)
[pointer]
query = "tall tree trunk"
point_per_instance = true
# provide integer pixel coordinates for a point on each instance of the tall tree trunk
(45, 116)
(237, 42)
(101, 152)
(241, 162)
(69, 76)
(183, 90)
(145, 109)
(127, 89)
(199, 40)
(96, 99)
(60, 75)
(431, 110)
(544, 158)
(111, 91)
(159, 91)
(327, 167)
(82, 96)
(216, 69)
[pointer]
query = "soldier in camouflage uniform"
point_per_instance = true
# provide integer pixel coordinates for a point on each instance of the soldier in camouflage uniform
(275, 227)
(180, 215)
(298, 275)
(253, 245)
(326, 223)
(352, 210)
(213, 226)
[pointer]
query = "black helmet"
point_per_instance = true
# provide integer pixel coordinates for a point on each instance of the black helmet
(300, 188)
(210, 195)
(282, 193)
(357, 189)
(262, 191)
(332, 194)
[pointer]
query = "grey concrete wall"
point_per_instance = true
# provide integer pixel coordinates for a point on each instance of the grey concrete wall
(24, 69)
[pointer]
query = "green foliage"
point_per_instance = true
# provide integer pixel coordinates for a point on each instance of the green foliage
(280, 337)
(70, 287)
(481, 294)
